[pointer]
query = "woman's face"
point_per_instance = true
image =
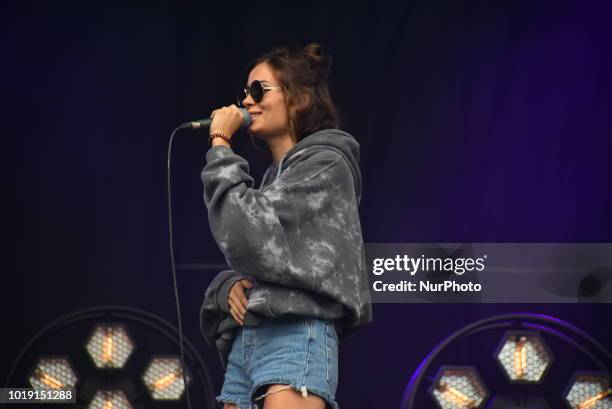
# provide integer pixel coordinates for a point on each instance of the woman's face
(269, 117)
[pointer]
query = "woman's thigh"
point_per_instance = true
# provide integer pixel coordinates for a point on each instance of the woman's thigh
(280, 397)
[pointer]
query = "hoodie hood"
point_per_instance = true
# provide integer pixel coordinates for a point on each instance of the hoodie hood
(332, 139)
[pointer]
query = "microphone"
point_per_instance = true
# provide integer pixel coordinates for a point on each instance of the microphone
(205, 122)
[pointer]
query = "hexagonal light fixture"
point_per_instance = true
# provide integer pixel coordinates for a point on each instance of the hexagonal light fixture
(53, 372)
(589, 390)
(458, 387)
(164, 378)
(109, 346)
(109, 400)
(524, 356)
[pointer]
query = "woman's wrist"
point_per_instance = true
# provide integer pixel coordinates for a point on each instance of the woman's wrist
(219, 141)
(220, 138)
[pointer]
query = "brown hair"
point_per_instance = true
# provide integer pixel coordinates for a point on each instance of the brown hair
(299, 71)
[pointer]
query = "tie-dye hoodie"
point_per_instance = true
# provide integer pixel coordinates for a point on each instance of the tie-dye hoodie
(297, 237)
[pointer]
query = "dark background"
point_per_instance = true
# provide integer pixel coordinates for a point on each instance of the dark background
(478, 122)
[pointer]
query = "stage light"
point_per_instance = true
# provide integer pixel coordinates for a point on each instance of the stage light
(525, 359)
(109, 400)
(458, 388)
(109, 346)
(53, 373)
(524, 356)
(96, 352)
(589, 391)
(164, 378)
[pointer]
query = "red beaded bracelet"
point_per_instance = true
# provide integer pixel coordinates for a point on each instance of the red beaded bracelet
(219, 135)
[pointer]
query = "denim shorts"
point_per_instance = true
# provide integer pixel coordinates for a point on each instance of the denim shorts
(299, 353)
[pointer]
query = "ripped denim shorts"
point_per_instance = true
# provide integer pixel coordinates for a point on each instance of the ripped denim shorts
(299, 353)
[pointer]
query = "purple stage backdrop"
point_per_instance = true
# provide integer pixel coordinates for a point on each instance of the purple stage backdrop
(478, 122)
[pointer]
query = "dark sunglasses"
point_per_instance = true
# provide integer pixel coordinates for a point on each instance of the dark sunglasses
(256, 91)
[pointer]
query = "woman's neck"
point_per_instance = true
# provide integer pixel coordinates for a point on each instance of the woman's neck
(279, 146)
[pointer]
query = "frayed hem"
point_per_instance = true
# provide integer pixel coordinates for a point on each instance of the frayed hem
(238, 402)
(304, 390)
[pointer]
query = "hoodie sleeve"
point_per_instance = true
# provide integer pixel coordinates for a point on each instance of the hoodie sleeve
(224, 283)
(216, 307)
(250, 225)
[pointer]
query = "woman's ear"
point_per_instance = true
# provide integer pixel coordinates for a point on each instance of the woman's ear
(303, 100)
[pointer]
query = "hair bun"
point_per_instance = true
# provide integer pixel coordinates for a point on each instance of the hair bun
(316, 54)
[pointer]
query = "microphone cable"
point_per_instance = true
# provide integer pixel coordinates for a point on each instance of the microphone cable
(192, 125)
(173, 265)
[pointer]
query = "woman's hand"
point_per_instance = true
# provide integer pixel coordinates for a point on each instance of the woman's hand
(238, 301)
(226, 120)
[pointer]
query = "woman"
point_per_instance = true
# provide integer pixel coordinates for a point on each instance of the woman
(298, 283)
